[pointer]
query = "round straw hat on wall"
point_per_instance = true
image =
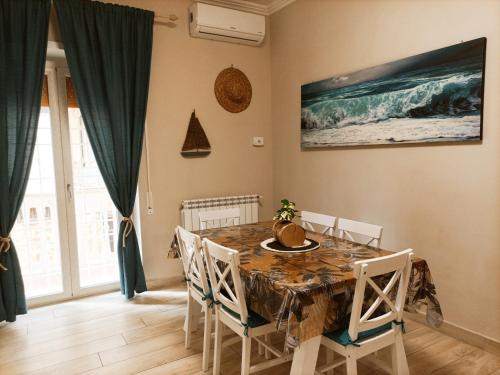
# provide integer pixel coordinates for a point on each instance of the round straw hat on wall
(233, 90)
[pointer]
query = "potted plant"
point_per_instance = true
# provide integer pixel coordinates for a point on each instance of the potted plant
(285, 231)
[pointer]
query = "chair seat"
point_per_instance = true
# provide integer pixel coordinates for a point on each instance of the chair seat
(342, 336)
(254, 319)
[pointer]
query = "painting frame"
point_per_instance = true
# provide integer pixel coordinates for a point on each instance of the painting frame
(335, 112)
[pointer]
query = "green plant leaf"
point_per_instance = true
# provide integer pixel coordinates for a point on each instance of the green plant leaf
(286, 212)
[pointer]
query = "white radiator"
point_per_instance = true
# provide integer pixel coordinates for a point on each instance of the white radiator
(248, 204)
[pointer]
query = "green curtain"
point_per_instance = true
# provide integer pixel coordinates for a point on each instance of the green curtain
(108, 48)
(23, 47)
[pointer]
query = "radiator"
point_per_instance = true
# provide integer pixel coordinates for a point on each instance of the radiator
(248, 204)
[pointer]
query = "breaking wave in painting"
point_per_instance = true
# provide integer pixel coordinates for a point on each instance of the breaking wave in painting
(429, 104)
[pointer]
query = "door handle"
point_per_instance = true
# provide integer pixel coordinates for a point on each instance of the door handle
(69, 190)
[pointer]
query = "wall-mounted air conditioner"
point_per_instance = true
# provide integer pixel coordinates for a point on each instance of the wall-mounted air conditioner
(229, 25)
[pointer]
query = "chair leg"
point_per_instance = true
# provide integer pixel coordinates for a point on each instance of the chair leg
(195, 315)
(217, 344)
(352, 366)
(329, 357)
(399, 362)
(245, 355)
(207, 335)
(188, 321)
(260, 348)
(266, 351)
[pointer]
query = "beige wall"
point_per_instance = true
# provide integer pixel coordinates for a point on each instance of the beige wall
(182, 78)
(443, 201)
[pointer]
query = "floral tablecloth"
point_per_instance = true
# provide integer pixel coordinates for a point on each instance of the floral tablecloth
(309, 293)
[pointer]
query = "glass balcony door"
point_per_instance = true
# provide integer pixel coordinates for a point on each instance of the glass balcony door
(66, 231)
(93, 226)
(40, 231)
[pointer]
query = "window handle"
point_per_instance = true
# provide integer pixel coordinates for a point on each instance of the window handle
(69, 190)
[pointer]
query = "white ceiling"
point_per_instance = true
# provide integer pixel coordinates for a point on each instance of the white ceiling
(266, 7)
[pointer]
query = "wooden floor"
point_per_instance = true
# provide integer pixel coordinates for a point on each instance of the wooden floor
(107, 335)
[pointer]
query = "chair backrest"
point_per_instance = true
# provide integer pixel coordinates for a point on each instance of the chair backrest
(192, 258)
(364, 271)
(310, 218)
(348, 227)
(219, 218)
(222, 264)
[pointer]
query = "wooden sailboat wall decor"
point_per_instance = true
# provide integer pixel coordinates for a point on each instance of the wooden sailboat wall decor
(196, 143)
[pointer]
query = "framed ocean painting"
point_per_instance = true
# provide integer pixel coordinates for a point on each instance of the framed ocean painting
(432, 97)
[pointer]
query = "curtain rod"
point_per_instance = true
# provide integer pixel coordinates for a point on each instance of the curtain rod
(161, 19)
(166, 19)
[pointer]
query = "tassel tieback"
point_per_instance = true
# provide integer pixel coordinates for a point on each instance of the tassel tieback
(129, 225)
(4, 248)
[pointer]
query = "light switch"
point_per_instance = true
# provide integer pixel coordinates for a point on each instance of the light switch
(258, 141)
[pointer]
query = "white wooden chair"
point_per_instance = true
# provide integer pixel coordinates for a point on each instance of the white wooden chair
(310, 218)
(198, 289)
(219, 218)
(367, 334)
(231, 310)
(348, 227)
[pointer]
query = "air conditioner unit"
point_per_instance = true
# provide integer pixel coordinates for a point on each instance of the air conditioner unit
(224, 24)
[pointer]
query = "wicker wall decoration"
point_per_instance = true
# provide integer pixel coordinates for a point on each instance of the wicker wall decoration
(233, 90)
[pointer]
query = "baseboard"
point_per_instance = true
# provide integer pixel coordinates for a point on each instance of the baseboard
(153, 284)
(470, 337)
(165, 282)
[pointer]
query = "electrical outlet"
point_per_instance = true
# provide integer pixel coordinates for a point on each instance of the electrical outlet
(258, 141)
(150, 211)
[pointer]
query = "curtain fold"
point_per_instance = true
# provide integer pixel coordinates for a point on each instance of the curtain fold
(23, 47)
(108, 48)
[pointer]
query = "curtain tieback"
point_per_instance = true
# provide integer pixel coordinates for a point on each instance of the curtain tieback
(129, 225)
(4, 244)
(4, 247)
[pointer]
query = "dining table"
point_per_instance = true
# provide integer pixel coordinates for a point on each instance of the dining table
(309, 293)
